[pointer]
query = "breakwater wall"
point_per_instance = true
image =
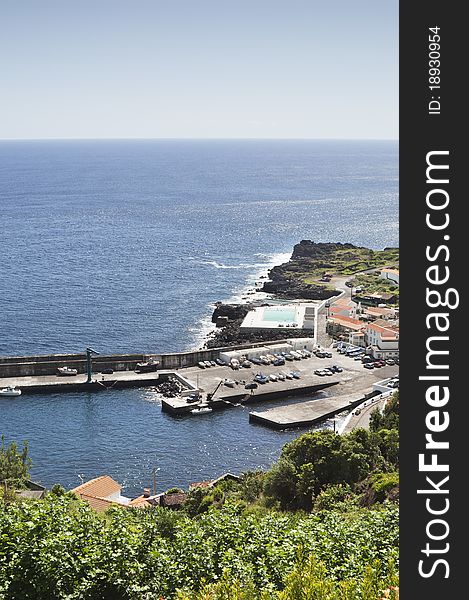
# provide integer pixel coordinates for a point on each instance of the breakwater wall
(30, 366)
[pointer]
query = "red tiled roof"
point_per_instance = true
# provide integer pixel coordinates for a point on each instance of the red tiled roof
(145, 501)
(100, 487)
(384, 330)
(99, 504)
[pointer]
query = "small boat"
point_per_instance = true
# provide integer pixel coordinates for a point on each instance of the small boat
(10, 390)
(201, 409)
(147, 366)
(66, 371)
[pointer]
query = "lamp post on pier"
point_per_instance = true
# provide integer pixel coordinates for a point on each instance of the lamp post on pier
(89, 352)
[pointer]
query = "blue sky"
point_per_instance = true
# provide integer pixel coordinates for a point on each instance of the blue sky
(199, 69)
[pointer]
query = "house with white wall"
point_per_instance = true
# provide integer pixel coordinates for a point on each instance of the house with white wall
(391, 275)
(382, 342)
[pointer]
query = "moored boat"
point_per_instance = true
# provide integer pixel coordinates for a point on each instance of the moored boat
(10, 390)
(201, 409)
(66, 371)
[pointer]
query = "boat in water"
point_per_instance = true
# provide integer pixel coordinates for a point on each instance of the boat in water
(201, 409)
(10, 390)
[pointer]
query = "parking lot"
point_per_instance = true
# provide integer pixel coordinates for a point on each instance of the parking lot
(348, 373)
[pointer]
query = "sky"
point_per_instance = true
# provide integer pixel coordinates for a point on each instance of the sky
(199, 69)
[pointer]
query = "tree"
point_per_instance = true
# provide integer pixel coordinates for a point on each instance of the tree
(390, 417)
(14, 464)
(281, 481)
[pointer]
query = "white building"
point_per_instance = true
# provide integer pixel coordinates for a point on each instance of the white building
(285, 316)
(391, 274)
(383, 342)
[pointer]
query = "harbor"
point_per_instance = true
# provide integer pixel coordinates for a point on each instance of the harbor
(300, 401)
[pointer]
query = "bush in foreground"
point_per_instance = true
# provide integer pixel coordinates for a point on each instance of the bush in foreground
(60, 549)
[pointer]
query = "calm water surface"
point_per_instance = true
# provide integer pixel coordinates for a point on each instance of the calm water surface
(126, 245)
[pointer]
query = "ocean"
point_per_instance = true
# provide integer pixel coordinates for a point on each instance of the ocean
(125, 246)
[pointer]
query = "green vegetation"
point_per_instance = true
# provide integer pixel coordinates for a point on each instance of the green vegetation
(321, 524)
(345, 261)
(14, 464)
(60, 548)
(390, 417)
(372, 283)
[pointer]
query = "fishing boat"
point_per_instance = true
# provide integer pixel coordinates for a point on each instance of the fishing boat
(10, 391)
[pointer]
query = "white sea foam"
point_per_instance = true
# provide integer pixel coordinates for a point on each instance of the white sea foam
(245, 293)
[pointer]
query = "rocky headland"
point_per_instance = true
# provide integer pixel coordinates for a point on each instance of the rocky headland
(306, 276)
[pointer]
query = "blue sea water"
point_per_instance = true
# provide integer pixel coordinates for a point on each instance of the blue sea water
(124, 246)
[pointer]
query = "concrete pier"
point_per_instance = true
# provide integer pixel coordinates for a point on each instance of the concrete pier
(272, 391)
(53, 384)
(303, 414)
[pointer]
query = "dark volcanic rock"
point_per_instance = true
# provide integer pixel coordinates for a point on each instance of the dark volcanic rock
(232, 335)
(288, 288)
(233, 312)
(286, 281)
(309, 249)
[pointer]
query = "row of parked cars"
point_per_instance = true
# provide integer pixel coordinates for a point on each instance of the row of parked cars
(262, 378)
(368, 361)
(277, 360)
(371, 363)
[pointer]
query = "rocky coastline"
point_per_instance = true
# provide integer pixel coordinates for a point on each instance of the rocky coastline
(305, 276)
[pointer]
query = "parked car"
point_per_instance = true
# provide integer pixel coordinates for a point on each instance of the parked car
(213, 363)
(251, 386)
(369, 365)
(390, 362)
(201, 364)
(255, 361)
(220, 362)
(207, 363)
(108, 371)
(246, 364)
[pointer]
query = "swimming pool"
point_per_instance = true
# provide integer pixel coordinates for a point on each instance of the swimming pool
(280, 314)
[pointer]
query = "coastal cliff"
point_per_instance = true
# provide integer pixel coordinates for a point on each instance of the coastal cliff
(306, 276)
